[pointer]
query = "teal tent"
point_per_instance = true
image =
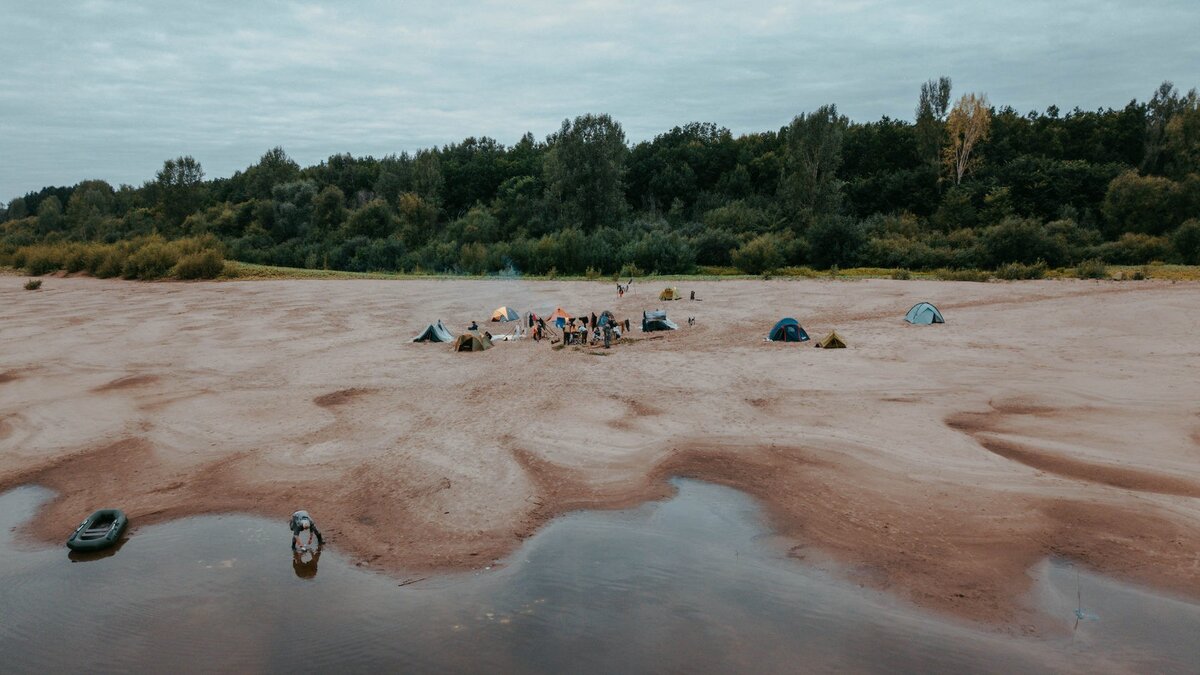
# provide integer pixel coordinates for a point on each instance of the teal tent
(924, 313)
(787, 330)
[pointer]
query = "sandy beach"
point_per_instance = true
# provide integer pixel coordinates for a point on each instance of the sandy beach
(1048, 418)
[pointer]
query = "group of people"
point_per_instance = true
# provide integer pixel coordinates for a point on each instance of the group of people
(590, 330)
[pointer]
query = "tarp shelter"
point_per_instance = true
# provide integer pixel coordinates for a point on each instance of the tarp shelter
(657, 320)
(787, 330)
(505, 314)
(435, 332)
(832, 341)
(472, 342)
(671, 293)
(559, 317)
(924, 313)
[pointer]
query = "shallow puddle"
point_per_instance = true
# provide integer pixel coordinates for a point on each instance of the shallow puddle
(693, 584)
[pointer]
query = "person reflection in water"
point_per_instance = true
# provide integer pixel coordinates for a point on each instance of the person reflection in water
(304, 564)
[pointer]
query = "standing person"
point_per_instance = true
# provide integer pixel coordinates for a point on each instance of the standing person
(302, 522)
(620, 290)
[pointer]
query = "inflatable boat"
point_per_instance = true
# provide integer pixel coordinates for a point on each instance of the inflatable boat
(98, 531)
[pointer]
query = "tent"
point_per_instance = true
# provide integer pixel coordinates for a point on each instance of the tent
(606, 317)
(671, 293)
(559, 317)
(656, 320)
(472, 342)
(505, 314)
(435, 332)
(787, 330)
(924, 313)
(832, 341)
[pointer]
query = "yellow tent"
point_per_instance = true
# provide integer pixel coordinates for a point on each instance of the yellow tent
(671, 293)
(505, 314)
(832, 341)
(472, 342)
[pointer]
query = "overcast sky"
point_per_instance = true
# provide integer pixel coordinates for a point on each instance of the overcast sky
(105, 89)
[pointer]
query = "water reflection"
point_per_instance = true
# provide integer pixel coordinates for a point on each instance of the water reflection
(694, 584)
(304, 564)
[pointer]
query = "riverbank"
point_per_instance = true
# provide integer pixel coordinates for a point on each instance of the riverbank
(939, 463)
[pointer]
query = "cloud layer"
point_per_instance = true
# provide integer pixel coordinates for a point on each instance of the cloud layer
(102, 89)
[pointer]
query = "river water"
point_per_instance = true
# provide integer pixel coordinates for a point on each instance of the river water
(693, 584)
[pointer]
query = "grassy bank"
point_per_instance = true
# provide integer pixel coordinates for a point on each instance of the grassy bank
(235, 270)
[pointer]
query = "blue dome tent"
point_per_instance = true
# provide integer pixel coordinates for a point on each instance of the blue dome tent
(924, 313)
(787, 330)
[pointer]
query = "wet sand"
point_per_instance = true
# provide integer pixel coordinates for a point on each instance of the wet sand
(939, 463)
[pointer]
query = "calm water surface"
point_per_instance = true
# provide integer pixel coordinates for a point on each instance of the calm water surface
(693, 584)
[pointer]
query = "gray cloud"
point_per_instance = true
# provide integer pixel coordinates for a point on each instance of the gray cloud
(109, 90)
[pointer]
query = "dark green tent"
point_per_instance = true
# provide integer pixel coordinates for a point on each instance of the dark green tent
(435, 332)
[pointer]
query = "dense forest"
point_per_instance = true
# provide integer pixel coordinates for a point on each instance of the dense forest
(964, 186)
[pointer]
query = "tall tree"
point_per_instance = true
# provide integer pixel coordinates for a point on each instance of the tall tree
(969, 123)
(584, 171)
(1181, 140)
(813, 155)
(932, 107)
(1163, 105)
(179, 186)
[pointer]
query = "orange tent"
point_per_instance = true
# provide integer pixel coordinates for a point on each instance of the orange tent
(559, 313)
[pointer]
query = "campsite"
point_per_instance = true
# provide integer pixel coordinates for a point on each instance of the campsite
(935, 464)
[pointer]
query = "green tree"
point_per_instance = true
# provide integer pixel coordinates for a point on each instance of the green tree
(90, 203)
(836, 240)
(584, 171)
(180, 187)
(1136, 203)
(50, 215)
(810, 183)
(374, 220)
(329, 210)
(932, 107)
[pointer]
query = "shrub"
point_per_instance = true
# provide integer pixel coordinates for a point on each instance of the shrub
(1092, 269)
(759, 255)
(630, 271)
(33, 284)
(1016, 271)
(1134, 249)
(154, 260)
(109, 263)
(901, 275)
(42, 260)
(1186, 242)
(206, 264)
(964, 275)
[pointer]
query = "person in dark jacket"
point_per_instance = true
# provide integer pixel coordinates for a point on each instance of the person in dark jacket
(301, 523)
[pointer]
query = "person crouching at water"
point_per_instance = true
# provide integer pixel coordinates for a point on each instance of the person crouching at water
(302, 522)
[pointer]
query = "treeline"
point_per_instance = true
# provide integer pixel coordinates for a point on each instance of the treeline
(966, 185)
